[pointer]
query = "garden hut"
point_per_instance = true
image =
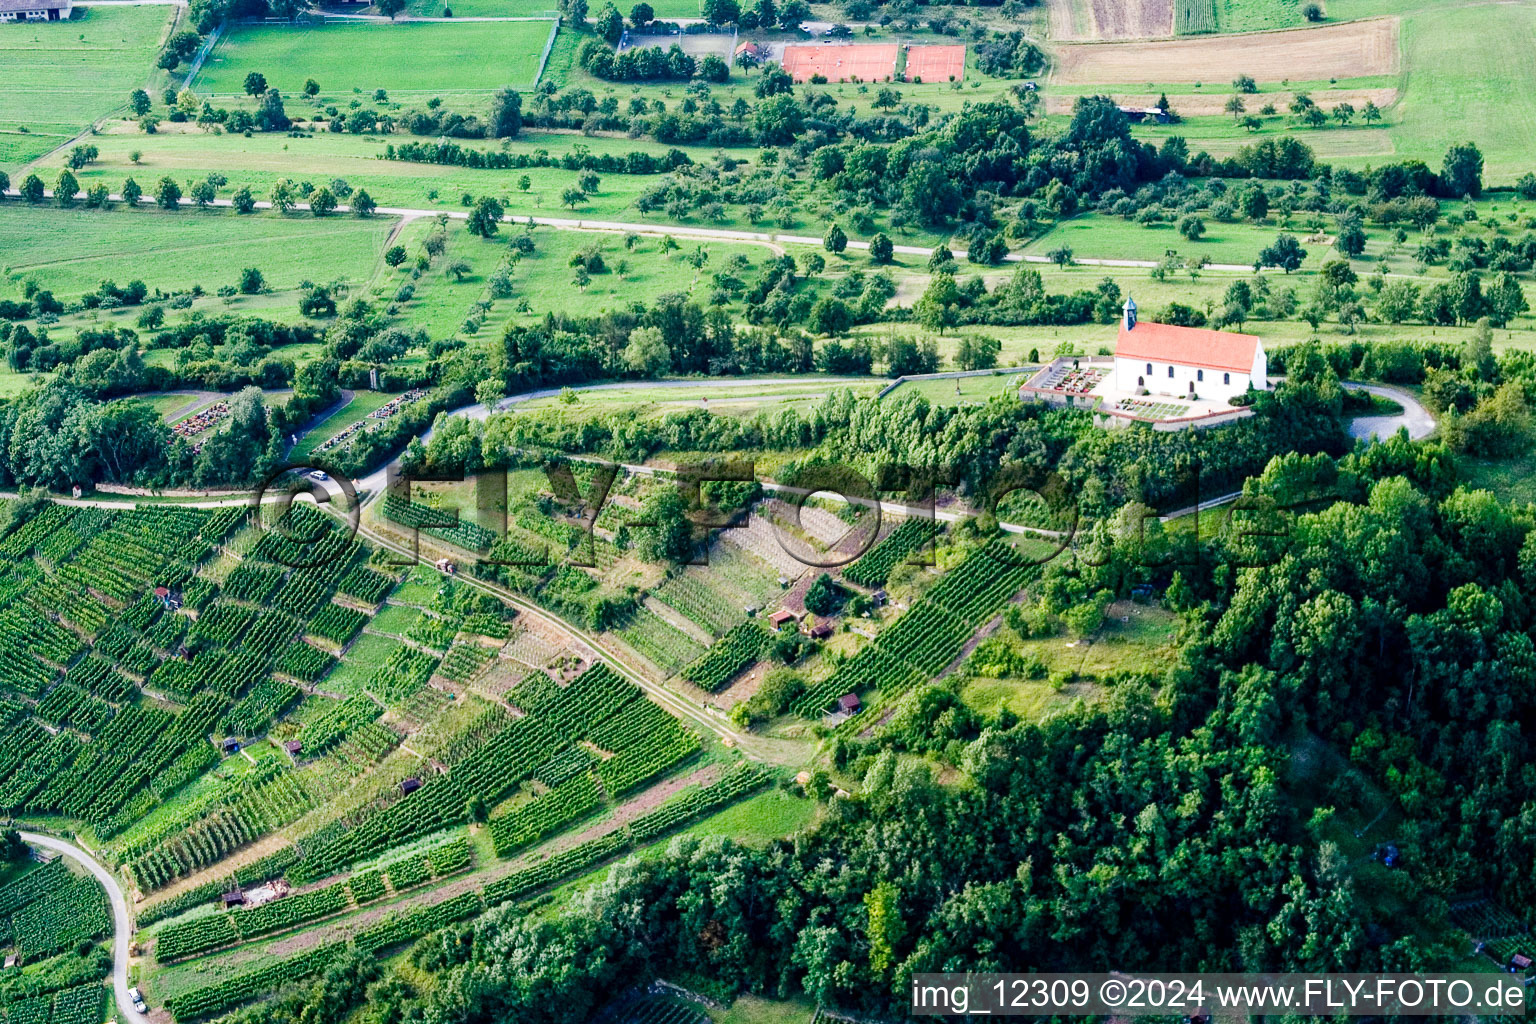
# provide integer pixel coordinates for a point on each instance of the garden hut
(782, 617)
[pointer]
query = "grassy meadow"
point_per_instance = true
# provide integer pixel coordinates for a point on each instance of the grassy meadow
(62, 75)
(405, 58)
(72, 251)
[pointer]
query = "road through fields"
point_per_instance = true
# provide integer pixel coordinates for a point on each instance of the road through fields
(121, 921)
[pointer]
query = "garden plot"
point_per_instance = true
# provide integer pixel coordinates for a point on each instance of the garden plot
(531, 650)
(716, 596)
(760, 539)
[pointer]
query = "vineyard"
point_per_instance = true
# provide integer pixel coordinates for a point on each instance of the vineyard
(658, 641)
(733, 652)
(874, 568)
(931, 633)
(69, 912)
(225, 993)
(598, 707)
(442, 525)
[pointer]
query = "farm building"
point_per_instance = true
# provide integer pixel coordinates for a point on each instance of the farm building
(294, 748)
(35, 10)
(409, 786)
(821, 631)
(1162, 359)
(848, 704)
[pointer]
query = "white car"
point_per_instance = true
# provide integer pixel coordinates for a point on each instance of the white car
(135, 995)
(318, 475)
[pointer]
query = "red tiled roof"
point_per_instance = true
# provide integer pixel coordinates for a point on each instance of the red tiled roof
(1187, 346)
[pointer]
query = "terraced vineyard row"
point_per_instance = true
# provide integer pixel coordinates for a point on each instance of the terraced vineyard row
(226, 993)
(874, 568)
(648, 742)
(201, 934)
(931, 633)
(730, 654)
(442, 525)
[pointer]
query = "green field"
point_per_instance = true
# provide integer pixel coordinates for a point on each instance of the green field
(960, 390)
(62, 75)
(73, 250)
(1099, 235)
(530, 8)
(264, 158)
(546, 280)
(409, 57)
(745, 393)
(1468, 75)
(363, 403)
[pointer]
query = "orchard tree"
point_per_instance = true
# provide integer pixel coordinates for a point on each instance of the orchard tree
(836, 240)
(609, 24)
(203, 193)
(322, 203)
(485, 217)
(881, 250)
(506, 113)
(271, 117)
(283, 195)
(251, 281)
(255, 83)
(139, 102)
(242, 200)
(1286, 253)
(1256, 203)
(32, 189)
(168, 194)
(363, 204)
(641, 15)
(131, 192)
(720, 12)
(1461, 173)
(311, 88)
(65, 187)
(389, 7)
(395, 256)
(646, 353)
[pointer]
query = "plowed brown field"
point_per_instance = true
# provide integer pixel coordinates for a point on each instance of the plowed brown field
(1348, 50)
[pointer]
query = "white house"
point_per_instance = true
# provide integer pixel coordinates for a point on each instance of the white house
(35, 10)
(1187, 361)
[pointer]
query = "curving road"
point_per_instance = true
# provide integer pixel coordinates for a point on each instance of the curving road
(1414, 416)
(122, 922)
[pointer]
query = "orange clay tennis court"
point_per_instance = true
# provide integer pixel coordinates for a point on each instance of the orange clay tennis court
(868, 62)
(935, 63)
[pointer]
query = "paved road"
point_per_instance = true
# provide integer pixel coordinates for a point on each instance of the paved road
(122, 923)
(772, 240)
(1414, 416)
